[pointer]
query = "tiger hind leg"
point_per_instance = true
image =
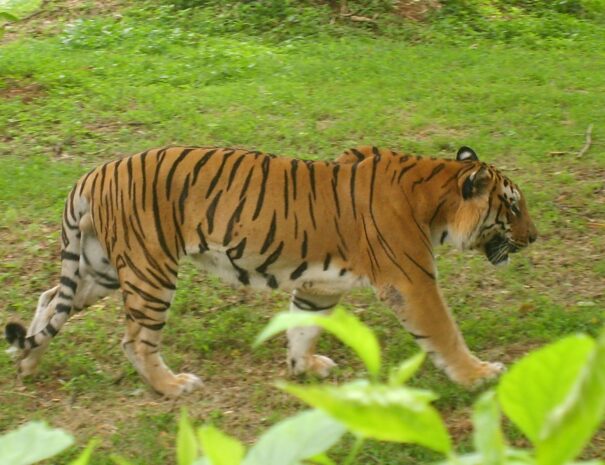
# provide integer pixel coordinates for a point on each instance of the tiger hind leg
(97, 279)
(302, 340)
(146, 314)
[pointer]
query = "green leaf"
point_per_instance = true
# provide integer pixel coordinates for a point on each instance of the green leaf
(33, 442)
(20, 8)
(186, 442)
(219, 448)
(540, 381)
(8, 16)
(321, 459)
(487, 433)
(574, 421)
(386, 413)
(296, 438)
(84, 457)
(341, 324)
(406, 370)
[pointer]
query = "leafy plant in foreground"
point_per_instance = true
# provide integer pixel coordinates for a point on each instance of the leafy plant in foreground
(555, 396)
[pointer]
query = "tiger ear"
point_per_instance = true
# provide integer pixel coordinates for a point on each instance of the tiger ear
(475, 184)
(466, 153)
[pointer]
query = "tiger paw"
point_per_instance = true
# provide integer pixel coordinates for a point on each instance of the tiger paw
(318, 365)
(180, 384)
(480, 373)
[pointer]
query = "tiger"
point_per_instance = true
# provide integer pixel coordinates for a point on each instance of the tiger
(315, 229)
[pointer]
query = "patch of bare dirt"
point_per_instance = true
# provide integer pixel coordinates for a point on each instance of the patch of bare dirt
(416, 10)
(26, 91)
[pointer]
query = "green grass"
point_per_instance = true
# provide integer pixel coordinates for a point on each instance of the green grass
(106, 87)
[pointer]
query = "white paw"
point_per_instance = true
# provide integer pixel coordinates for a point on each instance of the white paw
(183, 383)
(319, 365)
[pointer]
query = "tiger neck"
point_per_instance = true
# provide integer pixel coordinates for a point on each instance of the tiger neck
(434, 196)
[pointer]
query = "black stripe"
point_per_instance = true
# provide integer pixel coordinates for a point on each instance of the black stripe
(143, 180)
(200, 164)
(62, 308)
(270, 235)
(286, 195)
(234, 219)
(436, 211)
(129, 172)
(146, 295)
(65, 255)
(293, 168)
(360, 156)
(218, 174)
(436, 170)
(327, 261)
(297, 273)
(246, 183)
(203, 244)
(183, 198)
(404, 170)
(335, 170)
(261, 196)
(157, 213)
(234, 169)
(311, 169)
(353, 174)
(271, 259)
(50, 329)
(212, 210)
(311, 212)
(66, 281)
(156, 327)
(173, 168)
(236, 253)
(305, 304)
(428, 273)
(303, 250)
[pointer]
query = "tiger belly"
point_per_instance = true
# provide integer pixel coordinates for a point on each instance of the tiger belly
(312, 277)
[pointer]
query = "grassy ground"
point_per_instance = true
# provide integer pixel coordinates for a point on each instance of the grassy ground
(74, 95)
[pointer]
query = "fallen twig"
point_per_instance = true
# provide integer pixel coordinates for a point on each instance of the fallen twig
(588, 142)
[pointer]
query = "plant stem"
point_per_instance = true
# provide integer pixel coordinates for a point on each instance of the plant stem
(354, 450)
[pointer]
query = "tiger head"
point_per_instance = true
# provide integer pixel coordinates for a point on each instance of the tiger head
(492, 214)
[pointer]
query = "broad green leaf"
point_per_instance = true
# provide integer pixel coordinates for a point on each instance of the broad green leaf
(321, 459)
(186, 442)
(119, 460)
(296, 438)
(219, 448)
(33, 442)
(540, 381)
(406, 370)
(7, 16)
(574, 421)
(84, 457)
(386, 413)
(19, 8)
(341, 324)
(487, 433)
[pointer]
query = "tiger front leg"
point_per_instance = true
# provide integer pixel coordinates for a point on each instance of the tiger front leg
(423, 312)
(146, 314)
(302, 340)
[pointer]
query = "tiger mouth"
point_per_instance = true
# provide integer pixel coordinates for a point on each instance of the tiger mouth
(498, 248)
